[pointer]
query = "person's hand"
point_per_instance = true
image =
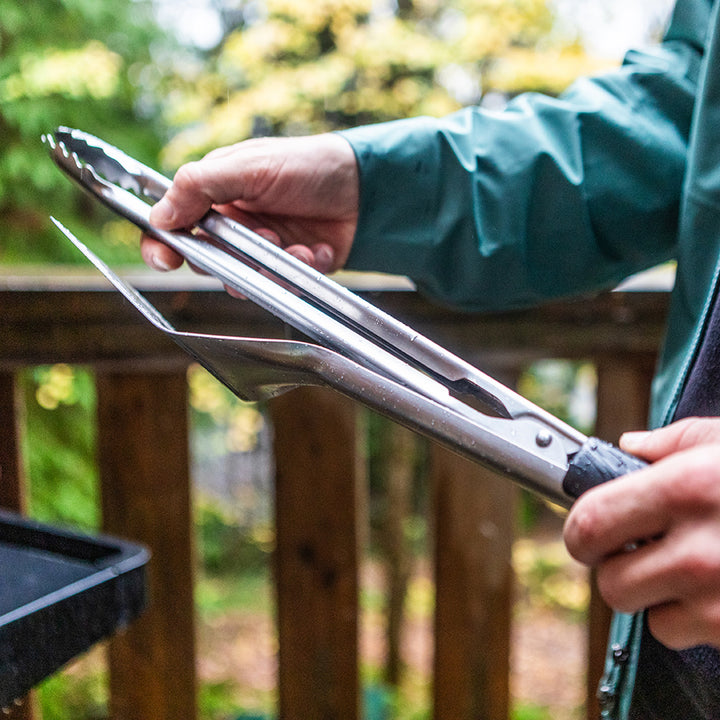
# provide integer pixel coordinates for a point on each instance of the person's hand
(654, 535)
(301, 193)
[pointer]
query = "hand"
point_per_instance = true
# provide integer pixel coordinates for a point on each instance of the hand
(670, 513)
(301, 193)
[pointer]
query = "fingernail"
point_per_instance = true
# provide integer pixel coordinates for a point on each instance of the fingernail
(157, 262)
(162, 213)
(634, 439)
(324, 257)
(269, 235)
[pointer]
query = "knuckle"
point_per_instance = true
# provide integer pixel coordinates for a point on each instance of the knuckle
(188, 176)
(710, 616)
(698, 485)
(581, 530)
(709, 620)
(699, 569)
(666, 626)
(612, 591)
(700, 430)
(682, 625)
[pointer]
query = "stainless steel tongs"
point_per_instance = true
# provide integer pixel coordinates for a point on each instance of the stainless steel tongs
(357, 349)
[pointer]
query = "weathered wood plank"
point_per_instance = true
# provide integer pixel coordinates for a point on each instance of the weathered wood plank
(623, 397)
(144, 468)
(102, 328)
(474, 516)
(60, 322)
(317, 555)
(398, 448)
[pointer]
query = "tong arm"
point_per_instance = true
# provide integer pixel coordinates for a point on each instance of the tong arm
(363, 352)
(262, 290)
(335, 301)
(255, 369)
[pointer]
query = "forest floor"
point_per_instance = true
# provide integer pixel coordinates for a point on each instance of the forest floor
(238, 646)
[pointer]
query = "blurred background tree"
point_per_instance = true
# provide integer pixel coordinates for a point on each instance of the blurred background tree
(168, 81)
(95, 65)
(292, 68)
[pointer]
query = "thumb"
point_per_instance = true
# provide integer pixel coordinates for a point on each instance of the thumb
(185, 201)
(681, 435)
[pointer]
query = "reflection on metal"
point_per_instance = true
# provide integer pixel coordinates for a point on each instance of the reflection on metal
(352, 346)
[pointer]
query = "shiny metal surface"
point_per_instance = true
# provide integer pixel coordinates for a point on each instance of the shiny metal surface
(334, 300)
(361, 351)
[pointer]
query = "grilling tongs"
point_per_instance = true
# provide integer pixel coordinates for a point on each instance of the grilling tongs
(353, 346)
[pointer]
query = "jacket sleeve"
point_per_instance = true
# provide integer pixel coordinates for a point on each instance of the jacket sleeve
(550, 197)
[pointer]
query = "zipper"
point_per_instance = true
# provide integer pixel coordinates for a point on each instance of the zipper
(608, 688)
(616, 665)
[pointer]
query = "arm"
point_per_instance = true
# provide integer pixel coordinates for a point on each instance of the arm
(483, 210)
(548, 198)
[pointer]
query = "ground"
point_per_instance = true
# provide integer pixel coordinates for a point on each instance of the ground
(548, 641)
(237, 648)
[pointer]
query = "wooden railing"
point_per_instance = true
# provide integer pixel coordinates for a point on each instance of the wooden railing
(145, 480)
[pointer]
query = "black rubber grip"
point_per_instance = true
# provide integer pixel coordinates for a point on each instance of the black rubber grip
(597, 462)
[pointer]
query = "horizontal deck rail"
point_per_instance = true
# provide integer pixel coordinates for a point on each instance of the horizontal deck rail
(73, 317)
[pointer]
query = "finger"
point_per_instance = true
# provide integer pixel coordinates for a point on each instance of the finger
(234, 293)
(623, 580)
(680, 435)
(644, 505)
(320, 256)
(681, 566)
(323, 257)
(222, 151)
(158, 255)
(645, 577)
(219, 178)
(186, 200)
(301, 252)
(671, 625)
(196, 187)
(604, 520)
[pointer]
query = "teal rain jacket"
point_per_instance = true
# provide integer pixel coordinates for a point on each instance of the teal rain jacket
(557, 196)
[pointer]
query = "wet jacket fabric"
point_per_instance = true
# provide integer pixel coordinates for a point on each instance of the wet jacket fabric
(553, 197)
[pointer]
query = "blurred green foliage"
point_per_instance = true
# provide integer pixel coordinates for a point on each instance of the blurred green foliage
(76, 63)
(280, 67)
(59, 444)
(81, 695)
(226, 547)
(543, 576)
(293, 68)
(216, 406)
(566, 389)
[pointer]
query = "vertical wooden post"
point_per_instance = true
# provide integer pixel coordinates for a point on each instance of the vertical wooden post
(13, 491)
(317, 555)
(144, 469)
(474, 524)
(12, 481)
(623, 396)
(399, 448)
